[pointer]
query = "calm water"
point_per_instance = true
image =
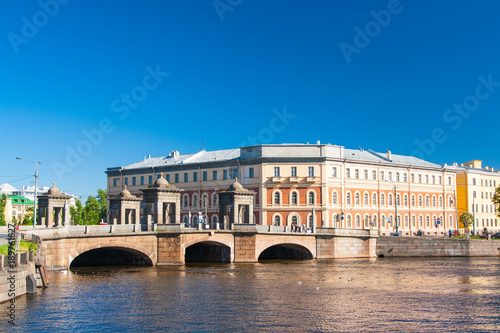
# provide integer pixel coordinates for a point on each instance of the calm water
(380, 295)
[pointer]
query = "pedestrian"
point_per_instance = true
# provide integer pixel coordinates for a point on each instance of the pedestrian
(449, 232)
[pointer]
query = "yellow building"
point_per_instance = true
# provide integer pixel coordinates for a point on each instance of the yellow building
(475, 190)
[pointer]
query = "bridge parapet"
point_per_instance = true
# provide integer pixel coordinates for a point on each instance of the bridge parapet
(360, 233)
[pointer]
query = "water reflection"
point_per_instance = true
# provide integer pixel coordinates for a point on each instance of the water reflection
(326, 295)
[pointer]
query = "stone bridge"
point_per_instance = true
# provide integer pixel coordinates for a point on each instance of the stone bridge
(172, 244)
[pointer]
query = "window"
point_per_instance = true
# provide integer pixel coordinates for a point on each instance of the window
(420, 179)
(294, 198)
(412, 178)
(382, 201)
(397, 176)
(449, 180)
(389, 175)
(420, 221)
(214, 174)
(427, 179)
(374, 199)
(440, 201)
(433, 201)
(427, 221)
(277, 220)
(294, 172)
(413, 221)
(440, 180)
(348, 198)
(406, 221)
(115, 181)
(334, 198)
(142, 180)
(405, 177)
(168, 178)
(413, 200)
(473, 181)
(374, 175)
(276, 171)
(427, 202)
(334, 171)
(398, 199)
(185, 177)
(389, 199)
(365, 199)
(482, 182)
(277, 198)
(356, 173)
(205, 176)
(311, 198)
(311, 171)
(356, 202)
(251, 173)
(176, 177)
(420, 201)
(295, 220)
(434, 179)
(348, 173)
(224, 174)
(405, 200)
(195, 200)
(381, 175)
(348, 221)
(358, 224)
(126, 181)
(366, 174)
(133, 181)
(186, 200)
(150, 180)
(214, 200)
(195, 176)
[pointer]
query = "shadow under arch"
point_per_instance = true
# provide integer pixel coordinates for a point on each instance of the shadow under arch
(111, 256)
(208, 252)
(286, 251)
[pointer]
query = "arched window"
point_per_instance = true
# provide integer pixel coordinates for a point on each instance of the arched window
(405, 200)
(277, 220)
(311, 221)
(374, 220)
(214, 220)
(382, 221)
(427, 202)
(420, 221)
(440, 201)
(334, 198)
(295, 220)
(427, 221)
(413, 200)
(389, 199)
(294, 198)
(358, 221)
(433, 201)
(406, 221)
(214, 200)
(357, 199)
(374, 199)
(277, 198)
(382, 199)
(367, 222)
(420, 201)
(348, 198)
(365, 199)
(398, 199)
(186, 201)
(195, 200)
(450, 202)
(311, 198)
(413, 221)
(450, 221)
(349, 222)
(186, 221)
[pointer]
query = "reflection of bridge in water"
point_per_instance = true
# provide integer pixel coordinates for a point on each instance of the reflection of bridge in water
(173, 244)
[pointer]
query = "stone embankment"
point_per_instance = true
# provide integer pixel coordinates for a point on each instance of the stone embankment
(436, 247)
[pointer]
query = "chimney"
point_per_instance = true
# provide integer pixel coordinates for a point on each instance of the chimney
(388, 154)
(318, 142)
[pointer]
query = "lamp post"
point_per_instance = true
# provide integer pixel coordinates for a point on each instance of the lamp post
(36, 186)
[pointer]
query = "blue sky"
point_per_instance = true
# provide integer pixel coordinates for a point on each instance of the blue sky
(87, 85)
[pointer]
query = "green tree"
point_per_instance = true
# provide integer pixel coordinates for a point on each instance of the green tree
(92, 210)
(3, 203)
(77, 213)
(496, 201)
(28, 217)
(466, 219)
(102, 198)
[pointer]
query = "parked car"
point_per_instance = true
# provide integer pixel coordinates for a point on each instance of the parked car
(495, 235)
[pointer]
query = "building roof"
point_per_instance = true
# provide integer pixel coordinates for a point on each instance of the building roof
(288, 151)
(7, 188)
(20, 200)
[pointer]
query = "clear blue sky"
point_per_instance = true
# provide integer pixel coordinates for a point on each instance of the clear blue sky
(375, 74)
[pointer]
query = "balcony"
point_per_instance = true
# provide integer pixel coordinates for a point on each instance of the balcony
(293, 179)
(312, 179)
(277, 179)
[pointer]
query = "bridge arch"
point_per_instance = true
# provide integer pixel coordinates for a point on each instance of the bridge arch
(205, 248)
(107, 251)
(289, 248)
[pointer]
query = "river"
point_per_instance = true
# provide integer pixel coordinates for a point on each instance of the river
(376, 295)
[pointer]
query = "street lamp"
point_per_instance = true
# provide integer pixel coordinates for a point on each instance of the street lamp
(395, 206)
(36, 186)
